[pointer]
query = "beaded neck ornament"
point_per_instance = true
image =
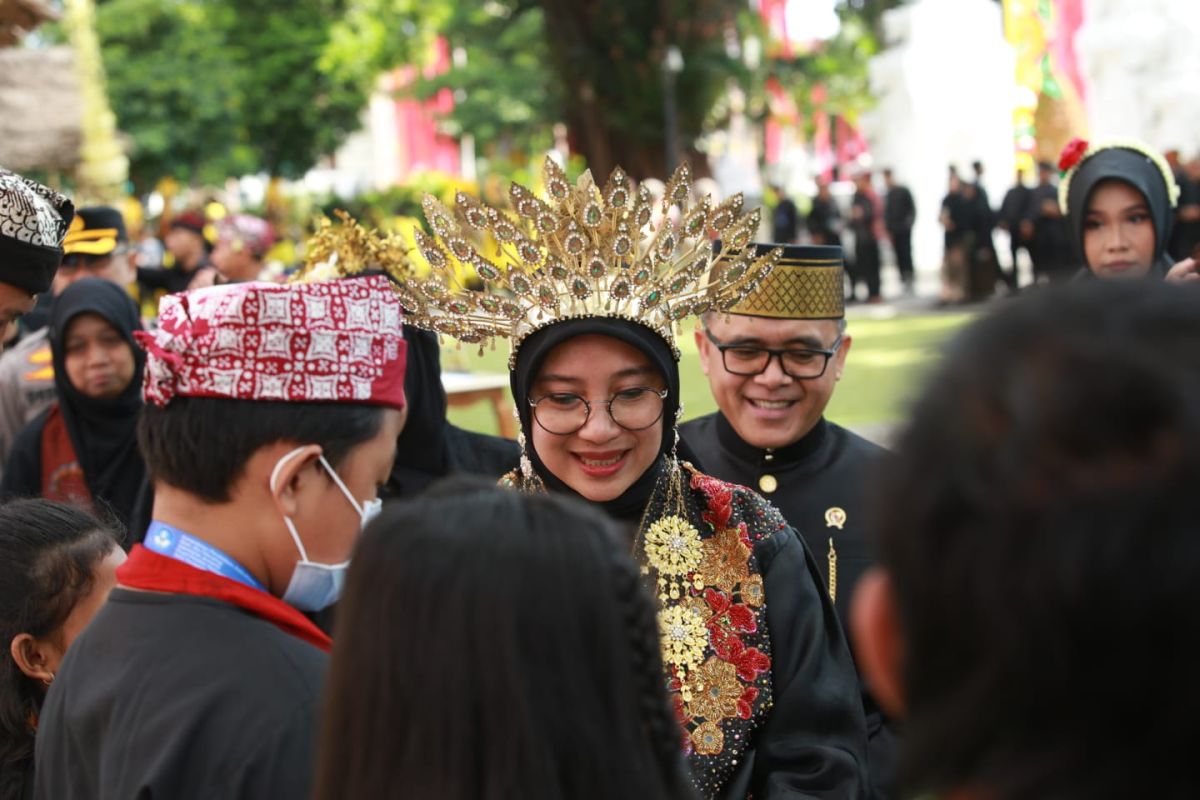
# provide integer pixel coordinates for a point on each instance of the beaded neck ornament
(582, 252)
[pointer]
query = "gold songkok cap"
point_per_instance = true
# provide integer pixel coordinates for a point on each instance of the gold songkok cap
(806, 283)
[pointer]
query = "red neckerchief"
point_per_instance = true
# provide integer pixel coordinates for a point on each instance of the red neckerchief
(154, 572)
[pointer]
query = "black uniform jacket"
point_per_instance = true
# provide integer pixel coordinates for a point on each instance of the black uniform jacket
(175, 697)
(821, 487)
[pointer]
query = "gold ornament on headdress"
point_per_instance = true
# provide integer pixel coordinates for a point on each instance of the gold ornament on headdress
(345, 249)
(583, 252)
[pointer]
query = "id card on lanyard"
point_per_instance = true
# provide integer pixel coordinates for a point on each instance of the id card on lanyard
(180, 545)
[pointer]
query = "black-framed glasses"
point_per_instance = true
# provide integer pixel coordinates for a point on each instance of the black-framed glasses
(799, 363)
(634, 409)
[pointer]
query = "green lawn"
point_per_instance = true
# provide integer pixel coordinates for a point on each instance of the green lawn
(885, 366)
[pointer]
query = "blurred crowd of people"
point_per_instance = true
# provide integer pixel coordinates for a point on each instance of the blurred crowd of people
(1035, 229)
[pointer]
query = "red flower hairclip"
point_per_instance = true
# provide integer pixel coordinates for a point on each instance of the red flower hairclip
(1072, 154)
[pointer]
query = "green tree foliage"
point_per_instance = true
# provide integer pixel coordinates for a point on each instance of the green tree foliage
(211, 88)
(597, 66)
(506, 96)
(170, 84)
(293, 111)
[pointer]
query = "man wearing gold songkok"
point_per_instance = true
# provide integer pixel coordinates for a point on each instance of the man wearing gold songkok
(772, 365)
(588, 285)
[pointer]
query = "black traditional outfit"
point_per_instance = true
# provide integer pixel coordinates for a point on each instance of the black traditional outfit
(1049, 245)
(83, 450)
(1013, 209)
(819, 482)
(194, 680)
(758, 665)
(899, 214)
(823, 221)
(1133, 164)
(866, 242)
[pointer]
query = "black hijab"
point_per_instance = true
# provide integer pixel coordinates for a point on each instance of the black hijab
(1139, 171)
(103, 432)
(533, 351)
(421, 449)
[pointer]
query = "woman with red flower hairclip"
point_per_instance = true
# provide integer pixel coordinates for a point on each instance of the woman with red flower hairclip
(1118, 199)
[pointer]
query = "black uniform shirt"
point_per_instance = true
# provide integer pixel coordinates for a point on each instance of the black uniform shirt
(174, 697)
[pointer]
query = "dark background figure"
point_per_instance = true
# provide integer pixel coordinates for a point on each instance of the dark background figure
(189, 248)
(864, 220)
(986, 264)
(958, 239)
(430, 447)
(824, 220)
(573, 700)
(785, 218)
(1036, 611)
(83, 448)
(1014, 208)
(1046, 233)
(980, 279)
(899, 214)
(1186, 234)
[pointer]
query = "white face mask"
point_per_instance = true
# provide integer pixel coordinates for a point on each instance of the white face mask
(314, 586)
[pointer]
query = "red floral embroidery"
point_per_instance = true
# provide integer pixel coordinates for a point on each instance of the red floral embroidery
(1072, 154)
(736, 616)
(746, 702)
(750, 661)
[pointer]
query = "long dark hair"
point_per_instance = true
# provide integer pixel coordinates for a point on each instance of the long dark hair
(495, 645)
(48, 555)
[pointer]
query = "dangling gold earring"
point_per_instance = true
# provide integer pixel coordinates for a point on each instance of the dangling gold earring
(531, 482)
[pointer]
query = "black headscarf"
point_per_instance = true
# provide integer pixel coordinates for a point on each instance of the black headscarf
(1139, 171)
(533, 351)
(103, 432)
(421, 449)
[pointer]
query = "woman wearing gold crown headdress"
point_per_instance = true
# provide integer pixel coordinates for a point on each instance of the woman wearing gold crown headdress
(588, 285)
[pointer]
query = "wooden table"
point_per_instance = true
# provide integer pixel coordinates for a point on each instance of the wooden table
(464, 389)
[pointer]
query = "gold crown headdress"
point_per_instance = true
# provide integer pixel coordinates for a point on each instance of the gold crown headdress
(583, 252)
(336, 251)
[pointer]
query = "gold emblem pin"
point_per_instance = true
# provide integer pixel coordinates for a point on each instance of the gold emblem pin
(768, 483)
(835, 518)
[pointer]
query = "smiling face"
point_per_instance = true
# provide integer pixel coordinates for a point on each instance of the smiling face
(771, 409)
(1118, 232)
(99, 361)
(600, 460)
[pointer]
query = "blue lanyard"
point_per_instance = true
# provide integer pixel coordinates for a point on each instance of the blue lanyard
(182, 546)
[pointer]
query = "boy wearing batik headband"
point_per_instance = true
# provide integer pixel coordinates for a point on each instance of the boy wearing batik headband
(773, 362)
(588, 287)
(1118, 198)
(271, 417)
